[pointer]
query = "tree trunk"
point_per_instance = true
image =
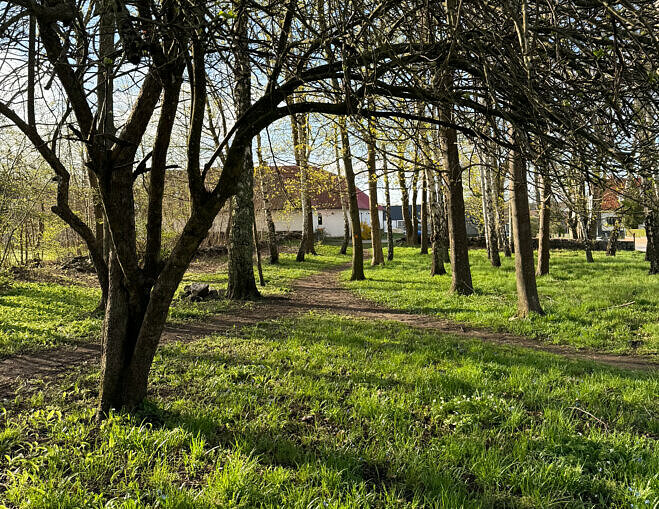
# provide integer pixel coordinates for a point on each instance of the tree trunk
(457, 229)
(241, 284)
(493, 241)
(258, 255)
(387, 198)
(424, 214)
(342, 197)
(376, 232)
(415, 216)
(353, 206)
(437, 264)
(300, 129)
(499, 213)
(527, 291)
(264, 176)
(543, 232)
(123, 319)
(572, 224)
(405, 201)
(652, 236)
(612, 244)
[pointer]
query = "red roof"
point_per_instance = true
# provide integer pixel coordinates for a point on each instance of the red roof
(612, 193)
(283, 188)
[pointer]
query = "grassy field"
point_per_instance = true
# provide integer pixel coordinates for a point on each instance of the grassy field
(36, 316)
(41, 315)
(333, 412)
(610, 305)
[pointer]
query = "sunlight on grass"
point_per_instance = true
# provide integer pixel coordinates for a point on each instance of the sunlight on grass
(324, 411)
(41, 315)
(36, 316)
(609, 305)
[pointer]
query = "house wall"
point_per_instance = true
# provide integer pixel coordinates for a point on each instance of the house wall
(332, 220)
(291, 221)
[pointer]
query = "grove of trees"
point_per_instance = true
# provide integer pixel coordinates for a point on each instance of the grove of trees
(129, 96)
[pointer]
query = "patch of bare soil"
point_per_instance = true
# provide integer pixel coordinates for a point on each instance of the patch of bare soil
(319, 292)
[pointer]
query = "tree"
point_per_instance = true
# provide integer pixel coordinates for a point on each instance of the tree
(264, 179)
(545, 221)
(376, 233)
(241, 284)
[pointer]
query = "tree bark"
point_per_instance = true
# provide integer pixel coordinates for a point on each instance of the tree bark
(387, 198)
(415, 216)
(543, 232)
(299, 129)
(424, 214)
(652, 236)
(499, 211)
(376, 232)
(241, 284)
(258, 254)
(342, 197)
(493, 242)
(353, 206)
(437, 264)
(457, 229)
(265, 184)
(612, 244)
(405, 206)
(527, 291)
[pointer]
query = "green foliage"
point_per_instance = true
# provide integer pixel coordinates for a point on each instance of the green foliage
(584, 302)
(324, 411)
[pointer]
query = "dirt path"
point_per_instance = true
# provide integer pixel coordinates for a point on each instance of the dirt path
(319, 292)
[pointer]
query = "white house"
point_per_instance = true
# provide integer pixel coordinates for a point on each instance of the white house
(282, 187)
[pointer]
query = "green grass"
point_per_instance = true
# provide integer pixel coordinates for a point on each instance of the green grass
(278, 281)
(323, 411)
(587, 305)
(42, 315)
(36, 316)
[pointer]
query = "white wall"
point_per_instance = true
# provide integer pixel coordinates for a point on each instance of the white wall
(332, 219)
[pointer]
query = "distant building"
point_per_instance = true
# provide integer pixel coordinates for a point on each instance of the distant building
(283, 191)
(399, 224)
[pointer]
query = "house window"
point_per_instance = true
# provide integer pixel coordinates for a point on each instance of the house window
(610, 221)
(320, 219)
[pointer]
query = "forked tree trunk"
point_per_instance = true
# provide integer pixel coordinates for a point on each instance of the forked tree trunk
(121, 327)
(353, 206)
(376, 232)
(265, 183)
(457, 228)
(437, 264)
(543, 231)
(527, 291)
(387, 198)
(424, 214)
